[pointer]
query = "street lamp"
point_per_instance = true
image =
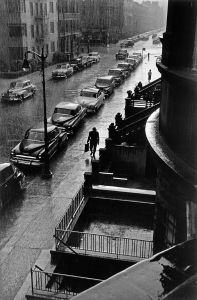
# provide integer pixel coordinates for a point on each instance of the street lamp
(46, 170)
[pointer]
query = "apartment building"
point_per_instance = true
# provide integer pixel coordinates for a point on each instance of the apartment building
(34, 24)
(101, 19)
(68, 26)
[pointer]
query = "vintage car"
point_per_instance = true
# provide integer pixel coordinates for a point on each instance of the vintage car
(122, 54)
(67, 116)
(118, 75)
(139, 55)
(62, 71)
(126, 68)
(87, 61)
(136, 57)
(11, 182)
(132, 61)
(77, 64)
(106, 84)
(19, 90)
(95, 56)
(91, 98)
(154, 35)
(127, 43)
(156, 40)
(31, 150)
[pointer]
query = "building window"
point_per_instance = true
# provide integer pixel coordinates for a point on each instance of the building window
(17, 30)
(52, 46)
(32, 30)
(36, 9)
(169, 225)
(41, 9)
(51, 7)
(47, 49)
(37, 30)
(45, 9)
(52, 27)
(31, 9)
(22, 6)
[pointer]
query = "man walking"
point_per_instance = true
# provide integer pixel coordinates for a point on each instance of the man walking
(93, 138)
(149, 75)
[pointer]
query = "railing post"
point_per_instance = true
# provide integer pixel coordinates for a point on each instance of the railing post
(32, 284)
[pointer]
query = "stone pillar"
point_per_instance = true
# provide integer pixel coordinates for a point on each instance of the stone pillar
(88, 183)
(95, 171)
(111, 131)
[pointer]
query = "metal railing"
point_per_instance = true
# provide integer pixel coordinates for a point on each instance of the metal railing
(75, 208)
(56, 284)
(106, 244)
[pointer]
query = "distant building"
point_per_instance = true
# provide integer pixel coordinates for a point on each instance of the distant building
(101, 19)
(139, 18)
(68, 26)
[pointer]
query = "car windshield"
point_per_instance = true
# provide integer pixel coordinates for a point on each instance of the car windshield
(61, 66)
(64, 111)
(103, 81)
(88, 94)
(36, 136)
(121, 51)
(93, 54)
(114, 72)
(16, 84)
(74, 61)
(122, 66)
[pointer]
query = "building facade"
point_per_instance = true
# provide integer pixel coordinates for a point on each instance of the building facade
(34, 24)
(101, 20)
(139, 18)
(171, 131)
(68, 26)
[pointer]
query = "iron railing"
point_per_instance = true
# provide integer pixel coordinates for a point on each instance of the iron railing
(75, 208)
(105, 244)
(56, 284)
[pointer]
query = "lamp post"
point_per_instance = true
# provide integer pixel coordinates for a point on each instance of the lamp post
(46, 170)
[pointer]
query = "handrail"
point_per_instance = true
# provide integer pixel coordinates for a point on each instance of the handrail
(149, 85)
(109, 244)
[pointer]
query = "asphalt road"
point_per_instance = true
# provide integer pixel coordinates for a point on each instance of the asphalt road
(20, 242)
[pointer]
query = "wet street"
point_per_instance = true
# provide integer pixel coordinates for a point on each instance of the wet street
(27, 223)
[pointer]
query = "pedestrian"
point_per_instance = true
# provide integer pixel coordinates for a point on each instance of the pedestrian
(149, 75)
(148, 55)
(93, 138)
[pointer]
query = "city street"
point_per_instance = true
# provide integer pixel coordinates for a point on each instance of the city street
(27, 224)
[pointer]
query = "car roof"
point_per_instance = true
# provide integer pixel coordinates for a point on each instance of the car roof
(123, 63)
(115, 69)
(106, 77)
(22, 81)
(91, 89)
(94, 53)
(4, 166)
(40, 127)
(67, 105)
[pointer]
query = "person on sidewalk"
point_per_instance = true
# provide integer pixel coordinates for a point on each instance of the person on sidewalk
(93, 138)
(149, 75)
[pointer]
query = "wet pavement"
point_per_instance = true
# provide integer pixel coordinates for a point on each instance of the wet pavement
(27, 224)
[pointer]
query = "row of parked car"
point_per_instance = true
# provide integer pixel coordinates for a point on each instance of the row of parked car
(61, 124)
(31, 149)
(22, 89)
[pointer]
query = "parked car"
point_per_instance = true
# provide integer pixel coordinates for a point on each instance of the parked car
(95, 56)
(87, 61)
(132, 61)
(154, 35)
(19, 90)
(126, 68)
(31, 150)
(127, 43)
(11, 182)
(122, 54)
(91, 98)
(62, 71)
(156, 40)
(67, 116)
(106, 84)
(118, 75)
(77, 64)
(139, 55)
